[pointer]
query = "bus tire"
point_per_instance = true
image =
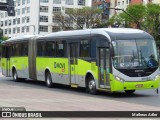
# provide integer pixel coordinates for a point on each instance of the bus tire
(49, 80)
(91, 86)
(129, 91)
(15, 76)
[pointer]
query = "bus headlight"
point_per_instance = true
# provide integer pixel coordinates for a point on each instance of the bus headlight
(156, 77)
(119, 79)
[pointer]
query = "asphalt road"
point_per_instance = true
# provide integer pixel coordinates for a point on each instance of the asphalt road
(143, 97)
(35, 96)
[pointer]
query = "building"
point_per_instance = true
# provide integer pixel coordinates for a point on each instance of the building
(36, 16)
(156, 1)
(102, 4)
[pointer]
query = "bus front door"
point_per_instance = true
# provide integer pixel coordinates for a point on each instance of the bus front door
(74, 64)
(104, 68)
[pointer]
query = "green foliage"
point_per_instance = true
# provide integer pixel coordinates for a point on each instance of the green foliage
(147, 16)
(4, 38)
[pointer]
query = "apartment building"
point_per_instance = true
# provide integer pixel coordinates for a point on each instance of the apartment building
(36, 16)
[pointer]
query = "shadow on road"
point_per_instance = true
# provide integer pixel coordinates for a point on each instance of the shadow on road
(81, 91)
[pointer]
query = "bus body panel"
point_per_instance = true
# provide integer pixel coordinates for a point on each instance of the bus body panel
(4, 66)
(21, 66)
(58, 68)
(85, 67)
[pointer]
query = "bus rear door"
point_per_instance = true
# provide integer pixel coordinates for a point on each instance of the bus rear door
(6, 61)
(74, 64)
(104, 67)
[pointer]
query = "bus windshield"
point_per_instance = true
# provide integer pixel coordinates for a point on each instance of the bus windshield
(140, 53)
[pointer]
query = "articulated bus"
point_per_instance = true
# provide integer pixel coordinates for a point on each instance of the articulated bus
(108, 59)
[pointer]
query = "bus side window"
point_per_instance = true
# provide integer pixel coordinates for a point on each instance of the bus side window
(17, 49)
(50, 48)
(61, 49)
(3, 50)
(24, 49)
(41, 48)
(84, 48)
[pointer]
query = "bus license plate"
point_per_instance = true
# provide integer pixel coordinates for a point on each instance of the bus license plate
(139, 85)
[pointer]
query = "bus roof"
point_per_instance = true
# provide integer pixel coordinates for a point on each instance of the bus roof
(19, 38)
(96, 30)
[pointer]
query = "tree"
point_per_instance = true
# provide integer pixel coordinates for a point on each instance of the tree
(146, 17)
(63, 21)
(87, 17)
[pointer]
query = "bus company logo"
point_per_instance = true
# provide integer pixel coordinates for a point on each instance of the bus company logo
(6, 114)
(59, 65)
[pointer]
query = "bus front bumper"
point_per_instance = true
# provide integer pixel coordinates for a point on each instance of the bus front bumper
(119, 86)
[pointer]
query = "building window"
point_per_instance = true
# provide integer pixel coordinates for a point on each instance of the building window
(14, 21)
(56, 9)
(14, 30)
(18, 29)
(69, 2)
(27, 28)
(2, 15)
(23, 19)
(81, 2)
(9, 31)
(28, 19)
(28, 1)
(6, 22)
(23, 10)
(126, 1)
(18, 11)
(5, 31)
(28, 9)
(55, 19)
(44, 1)
(122, 2)
(18, 21)
(43, 18)
(56, 1)
(43, 28)
(23, 2)
(23, 29)
(118, 3)
(6, 15)
(56, 28)
(19, 2)
(14, 3)
(9, 22)
(43, 9)
(1, 23)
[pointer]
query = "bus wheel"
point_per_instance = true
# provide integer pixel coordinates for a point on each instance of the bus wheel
(91, 86)
(15, 76)
(49, 80)
(129, 91)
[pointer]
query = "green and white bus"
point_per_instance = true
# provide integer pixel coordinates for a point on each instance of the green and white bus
(108, 59)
